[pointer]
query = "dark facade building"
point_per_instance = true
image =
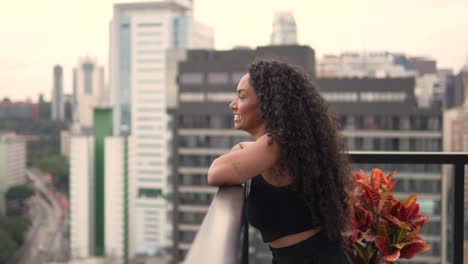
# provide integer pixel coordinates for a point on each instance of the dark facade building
(447, 83)
(19, 110)
(382, 115)
(207, 83)
(424, 65)
(375, 115)
(460, 89)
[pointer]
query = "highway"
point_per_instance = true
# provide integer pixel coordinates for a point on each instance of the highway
(46, 240)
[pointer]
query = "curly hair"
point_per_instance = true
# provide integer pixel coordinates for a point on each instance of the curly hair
(312, 150)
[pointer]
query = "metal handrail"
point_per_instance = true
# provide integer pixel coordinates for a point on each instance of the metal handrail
(218, 239)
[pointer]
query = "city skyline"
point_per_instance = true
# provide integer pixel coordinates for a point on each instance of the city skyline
(29, 53)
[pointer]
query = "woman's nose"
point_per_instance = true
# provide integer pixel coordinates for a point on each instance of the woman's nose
(232, 104)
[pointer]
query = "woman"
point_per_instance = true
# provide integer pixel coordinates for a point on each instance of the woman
(297, 163)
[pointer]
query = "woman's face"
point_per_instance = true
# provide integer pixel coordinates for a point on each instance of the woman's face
(247, 113)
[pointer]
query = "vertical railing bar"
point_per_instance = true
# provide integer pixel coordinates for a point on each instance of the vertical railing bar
(459, 211)
(245, 227)
(245, 244)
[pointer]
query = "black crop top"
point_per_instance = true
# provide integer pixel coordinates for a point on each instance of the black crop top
(277, 211)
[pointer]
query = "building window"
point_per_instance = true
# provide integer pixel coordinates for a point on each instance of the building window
(149, 193)
(220, 97)
(150, 172)
(125, 76)
(221, 122)
(192, 97)
(146, 34)
(340, 96)
(235, 77)
(88, 69)
(149, 110)
(383, 96)
(148, 180)
(145, 52)
(149, 43)
(191, 78)
(146, 136)
(149, 154)
(196, 161)
(143, 61)
(369, 123)
(157, 24)
(195, 121)
(148, 81)
(149, 69)
(218, 78)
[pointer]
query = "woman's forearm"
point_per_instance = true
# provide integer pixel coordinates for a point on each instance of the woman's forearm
(243, 162)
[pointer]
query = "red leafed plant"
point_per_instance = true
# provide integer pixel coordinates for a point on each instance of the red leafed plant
(383, 229)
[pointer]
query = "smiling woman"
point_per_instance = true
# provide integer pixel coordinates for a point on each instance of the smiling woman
(245, 108)
(296, 163)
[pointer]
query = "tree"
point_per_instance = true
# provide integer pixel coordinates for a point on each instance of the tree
(58, 166)
(16, 227)
(7, 246)
(16, 198)
(43, 147)
(20, 193)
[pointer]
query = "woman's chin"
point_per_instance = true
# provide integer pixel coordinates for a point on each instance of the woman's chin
(237, 126)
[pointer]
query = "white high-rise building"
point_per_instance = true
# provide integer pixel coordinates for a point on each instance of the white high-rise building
(81, 196)
(141, 34)
(89, 198)
(88, 88)
(116, 203)
(427, 89)
(12, 164)
(284, 29)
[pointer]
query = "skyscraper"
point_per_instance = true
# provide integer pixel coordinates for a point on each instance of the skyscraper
(284, 29)
(88, 90)
(57, 101)
(81, 196)
(140, 36)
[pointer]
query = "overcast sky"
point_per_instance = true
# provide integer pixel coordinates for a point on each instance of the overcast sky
(35, 35)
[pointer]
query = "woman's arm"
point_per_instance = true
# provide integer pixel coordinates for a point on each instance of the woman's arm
(237, 166)
(241, 145)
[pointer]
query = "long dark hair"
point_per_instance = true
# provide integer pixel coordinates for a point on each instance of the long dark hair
(312, 151)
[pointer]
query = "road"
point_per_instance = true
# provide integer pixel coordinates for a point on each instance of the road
(46, 240)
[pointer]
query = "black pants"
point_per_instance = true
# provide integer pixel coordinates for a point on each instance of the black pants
(314, 250)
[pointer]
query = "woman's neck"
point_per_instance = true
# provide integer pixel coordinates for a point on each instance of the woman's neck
(257, 133)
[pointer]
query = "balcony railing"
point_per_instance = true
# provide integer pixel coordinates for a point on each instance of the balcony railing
(218, 239)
